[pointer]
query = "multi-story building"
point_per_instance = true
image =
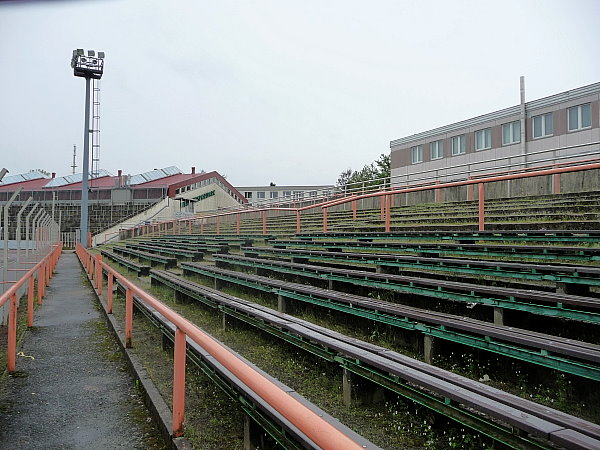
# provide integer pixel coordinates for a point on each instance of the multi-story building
(546, 131)
(268, 195)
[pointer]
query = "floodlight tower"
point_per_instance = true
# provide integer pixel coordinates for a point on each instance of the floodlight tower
(88, 67)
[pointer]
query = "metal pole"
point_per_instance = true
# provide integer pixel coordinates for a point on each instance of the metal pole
(44, 232)
(18, 231)
(53, 202)
(56, 233)
(49, 231)
(27, 229)
(34, 228)
(5, 249)
(83, 224)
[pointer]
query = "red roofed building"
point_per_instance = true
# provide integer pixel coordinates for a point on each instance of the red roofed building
(113, 198)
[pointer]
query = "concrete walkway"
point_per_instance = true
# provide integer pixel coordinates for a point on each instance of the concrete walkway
(72, 390)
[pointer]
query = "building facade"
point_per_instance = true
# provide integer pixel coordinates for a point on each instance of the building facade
(268, 195)
(550, 130)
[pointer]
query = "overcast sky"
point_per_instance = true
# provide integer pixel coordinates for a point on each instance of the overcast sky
(292, 92)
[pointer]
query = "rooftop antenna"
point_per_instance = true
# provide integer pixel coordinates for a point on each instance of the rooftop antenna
(74, 165)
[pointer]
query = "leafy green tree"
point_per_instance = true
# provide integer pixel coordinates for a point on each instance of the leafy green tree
(376, 174)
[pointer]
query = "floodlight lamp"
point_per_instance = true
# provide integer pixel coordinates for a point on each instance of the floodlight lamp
(3, 172)
(87, 66)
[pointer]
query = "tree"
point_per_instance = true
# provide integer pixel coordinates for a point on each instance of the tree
(383, 166)
(376, 174)
(345, 177)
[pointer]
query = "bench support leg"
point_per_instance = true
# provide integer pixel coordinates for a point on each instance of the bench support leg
(225, 320)
(358, 391)
(178, 297)
(572, 289)
(282, 304)
(166, 343)
(387, 269)
(428, 348)
(252, 434)
(498, 316)
(298, 260)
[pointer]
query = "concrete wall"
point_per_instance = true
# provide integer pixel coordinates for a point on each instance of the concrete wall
(219, 200)
(168, 209)
(587, 181)
(163, 210)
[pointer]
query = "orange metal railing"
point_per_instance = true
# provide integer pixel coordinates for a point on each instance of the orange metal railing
(44, 270)
(386, 200)
(480, 182)
(312, 425)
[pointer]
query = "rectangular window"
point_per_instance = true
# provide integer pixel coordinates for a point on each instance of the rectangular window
(287, 193)
(580, 117)
(248, 194)
(458, 145)
(313, 193)
(416, 154)
(437, 149)
(511, 133)
(260, 194)
(543, 125)
(298, 194)
(483, 139)
(274, 194)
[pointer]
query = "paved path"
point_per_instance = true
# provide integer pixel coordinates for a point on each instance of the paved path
(76, 393)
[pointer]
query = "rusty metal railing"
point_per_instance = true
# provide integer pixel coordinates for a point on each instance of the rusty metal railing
(386, 201)
(312, 425)
(43, 270)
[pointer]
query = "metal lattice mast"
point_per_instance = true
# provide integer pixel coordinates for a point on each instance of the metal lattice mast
(88, 67)
(95, 129)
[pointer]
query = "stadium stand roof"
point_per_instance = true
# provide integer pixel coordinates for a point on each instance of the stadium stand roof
(170, 178)
(34, 175)
(75, 178)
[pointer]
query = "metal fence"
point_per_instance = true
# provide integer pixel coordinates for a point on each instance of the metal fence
(39, 231)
